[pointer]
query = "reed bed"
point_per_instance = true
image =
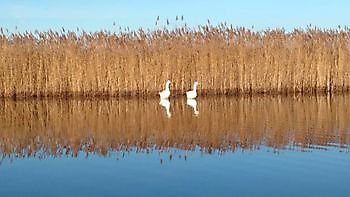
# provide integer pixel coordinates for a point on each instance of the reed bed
(225, 60)
(53, 127)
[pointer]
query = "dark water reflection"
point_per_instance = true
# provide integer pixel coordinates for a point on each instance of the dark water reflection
(215, 146)
(218, 123)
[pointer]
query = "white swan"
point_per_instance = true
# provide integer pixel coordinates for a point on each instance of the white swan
(193, 104)
(166, 92)
(166, 104)
(193, 93)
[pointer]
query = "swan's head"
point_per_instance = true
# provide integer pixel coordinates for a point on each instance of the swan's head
(195, 84)
(167, 84)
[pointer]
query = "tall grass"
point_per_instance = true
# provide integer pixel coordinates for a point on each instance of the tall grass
(225, 60)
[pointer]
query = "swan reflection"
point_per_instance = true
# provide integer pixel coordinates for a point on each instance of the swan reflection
(193, 103)
(166, 104)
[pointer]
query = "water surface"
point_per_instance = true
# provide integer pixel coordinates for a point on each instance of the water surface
(223, 146)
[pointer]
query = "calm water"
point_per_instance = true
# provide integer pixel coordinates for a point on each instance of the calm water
(215, 146)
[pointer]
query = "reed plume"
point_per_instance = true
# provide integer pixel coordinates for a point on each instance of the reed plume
(224, 60)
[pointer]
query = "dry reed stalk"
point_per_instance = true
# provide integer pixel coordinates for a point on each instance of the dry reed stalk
(223, 59)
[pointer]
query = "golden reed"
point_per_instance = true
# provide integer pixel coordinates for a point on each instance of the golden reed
(69, 126)
(223, 59)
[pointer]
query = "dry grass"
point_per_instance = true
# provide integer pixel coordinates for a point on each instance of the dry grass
(67, 126)
(223, 59)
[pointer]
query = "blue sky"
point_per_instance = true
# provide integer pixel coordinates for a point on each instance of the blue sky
(96, 15)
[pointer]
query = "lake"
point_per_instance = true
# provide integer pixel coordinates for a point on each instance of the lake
(212, 146)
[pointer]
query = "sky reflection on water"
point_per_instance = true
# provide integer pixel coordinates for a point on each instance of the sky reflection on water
(244, 173)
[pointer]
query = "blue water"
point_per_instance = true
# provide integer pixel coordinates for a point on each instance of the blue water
(269, 146)
(263, 172)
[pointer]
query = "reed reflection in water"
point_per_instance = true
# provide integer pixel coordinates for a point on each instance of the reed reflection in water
(57, 127)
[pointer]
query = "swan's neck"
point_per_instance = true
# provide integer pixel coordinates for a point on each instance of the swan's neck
(167, 87)
(194, 87)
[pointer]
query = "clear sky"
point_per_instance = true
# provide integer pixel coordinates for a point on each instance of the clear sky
(96, 15)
